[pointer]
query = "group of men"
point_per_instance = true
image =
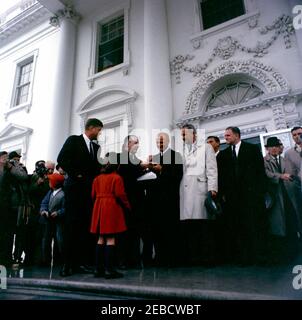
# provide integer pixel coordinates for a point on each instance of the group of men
(169, 223)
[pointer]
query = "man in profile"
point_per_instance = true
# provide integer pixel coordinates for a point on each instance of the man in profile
(78, 158)
(214, 141)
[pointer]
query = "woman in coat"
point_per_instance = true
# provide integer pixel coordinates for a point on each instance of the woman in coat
(108, 220)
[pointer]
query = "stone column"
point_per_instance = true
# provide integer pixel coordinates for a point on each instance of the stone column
(66, 20)
(157, 80)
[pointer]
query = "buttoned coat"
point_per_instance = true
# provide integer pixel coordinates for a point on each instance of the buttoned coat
(199, 176)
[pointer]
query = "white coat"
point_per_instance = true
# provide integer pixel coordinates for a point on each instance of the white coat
(199, 177)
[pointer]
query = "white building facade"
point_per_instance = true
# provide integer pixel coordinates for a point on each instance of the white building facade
(139, 65)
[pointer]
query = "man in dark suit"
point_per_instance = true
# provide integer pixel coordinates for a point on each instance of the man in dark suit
(78, 158)
(241, 188)
(131, 168)
(164, 201)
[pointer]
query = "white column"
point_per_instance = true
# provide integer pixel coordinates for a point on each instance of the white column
(157, 80)
(62, 100)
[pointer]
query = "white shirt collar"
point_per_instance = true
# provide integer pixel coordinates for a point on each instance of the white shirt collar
(56, 191)
(87, 140)
(164, 151)
(237, 147)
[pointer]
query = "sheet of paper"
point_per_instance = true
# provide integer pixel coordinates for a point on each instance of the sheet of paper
(147, 176)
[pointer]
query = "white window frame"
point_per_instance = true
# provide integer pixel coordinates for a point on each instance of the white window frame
(19, 63)
(104, 18)
(251, 12)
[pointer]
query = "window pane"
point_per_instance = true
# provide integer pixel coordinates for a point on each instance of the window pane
(23, 84)
(215, 12)
(111, 44)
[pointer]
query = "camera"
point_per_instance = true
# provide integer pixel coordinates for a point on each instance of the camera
(41, 170)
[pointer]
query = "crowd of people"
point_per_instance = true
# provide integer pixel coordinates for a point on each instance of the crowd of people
(205, 206)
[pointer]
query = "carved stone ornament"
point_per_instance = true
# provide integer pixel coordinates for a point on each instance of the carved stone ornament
(227, 47)
(270, 78)
(67, 13)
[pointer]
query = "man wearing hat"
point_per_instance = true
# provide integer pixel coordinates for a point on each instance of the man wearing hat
(10, 177)
(285, 223)
(14, 157)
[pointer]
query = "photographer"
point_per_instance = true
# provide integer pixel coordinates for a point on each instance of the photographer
(11, 176)
(38, 188)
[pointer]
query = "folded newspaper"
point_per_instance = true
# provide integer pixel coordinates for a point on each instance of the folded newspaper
(147, 176)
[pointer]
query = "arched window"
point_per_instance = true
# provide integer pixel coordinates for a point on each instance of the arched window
(232, 94)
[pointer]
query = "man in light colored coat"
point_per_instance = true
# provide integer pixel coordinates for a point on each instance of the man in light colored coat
(285, 218)
(199, 177)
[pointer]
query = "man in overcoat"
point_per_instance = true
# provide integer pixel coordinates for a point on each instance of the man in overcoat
(242, 189)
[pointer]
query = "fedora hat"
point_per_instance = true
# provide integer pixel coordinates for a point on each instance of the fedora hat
(273, 142)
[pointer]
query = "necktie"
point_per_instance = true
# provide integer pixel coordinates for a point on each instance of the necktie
(278, 163)
(91, 150)
(234, 152)
(161, 157)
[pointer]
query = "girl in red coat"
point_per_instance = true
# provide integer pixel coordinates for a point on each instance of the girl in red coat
(110, 201)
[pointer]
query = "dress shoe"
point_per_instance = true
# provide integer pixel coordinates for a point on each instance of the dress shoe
(113, 274)
(99, 273)
(65, 271)
(83, 269)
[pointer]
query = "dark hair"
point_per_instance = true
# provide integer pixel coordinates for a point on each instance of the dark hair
(189, 126)
(2, 153)
(295, 128)
(235, 130)
(93, 122)
(215, 138)
(111, 165)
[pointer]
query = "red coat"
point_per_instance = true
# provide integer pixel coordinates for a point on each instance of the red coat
(108, 215)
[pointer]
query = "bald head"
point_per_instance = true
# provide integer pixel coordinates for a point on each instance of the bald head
(162, 141)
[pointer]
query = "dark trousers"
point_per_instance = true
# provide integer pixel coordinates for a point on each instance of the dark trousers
(52, 230)
(79, 243)
(6, 245)
(198, 243)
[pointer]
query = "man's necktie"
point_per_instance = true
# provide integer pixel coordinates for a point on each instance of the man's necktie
(234, 152)
(277, 159)
(161, 158)
(91, 151)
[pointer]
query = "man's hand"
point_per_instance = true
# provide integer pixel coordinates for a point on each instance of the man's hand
(44, 213)
(144, 165)
(286, 177)
(156, 167)
(54, 214)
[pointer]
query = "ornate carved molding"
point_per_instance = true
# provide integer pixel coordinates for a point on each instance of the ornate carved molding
(16, 133)
(67, 13)
(248, 132)
(266, 75)
(30, 15)
(282, 103)
(250, 18)
(227, 46)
